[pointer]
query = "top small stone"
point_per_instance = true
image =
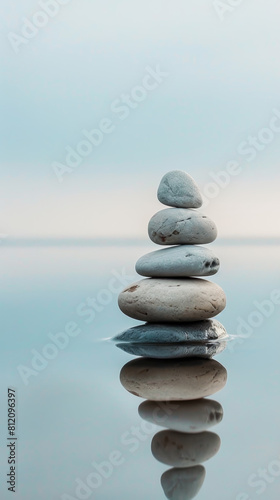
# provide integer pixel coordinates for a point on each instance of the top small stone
(178, 189)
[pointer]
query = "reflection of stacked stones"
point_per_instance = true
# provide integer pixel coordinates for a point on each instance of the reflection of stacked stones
(175, 391)
(177, 306)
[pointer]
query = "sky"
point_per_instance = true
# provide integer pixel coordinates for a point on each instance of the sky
(164, 85)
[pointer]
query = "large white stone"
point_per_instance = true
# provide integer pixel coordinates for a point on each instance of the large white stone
(173, 380)
(181, 226)
(172, 300)
(180, 449)
(179, 261)
(182, 484)
(178, 189)
(183, 416)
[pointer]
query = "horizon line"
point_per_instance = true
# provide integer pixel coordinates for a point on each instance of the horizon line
(6, 241)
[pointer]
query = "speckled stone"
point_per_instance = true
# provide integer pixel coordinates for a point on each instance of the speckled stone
(183, 416)
(178, 189)
(179, 449)
(170, 333)
(179, 261)
(182, 484)
(173, 380)
(172, 300)
(181, 226)
(173, 351)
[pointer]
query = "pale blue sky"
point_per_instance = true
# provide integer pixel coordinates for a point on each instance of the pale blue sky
(222, 87)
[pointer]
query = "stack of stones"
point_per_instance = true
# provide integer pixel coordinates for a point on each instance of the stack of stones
(176, 304)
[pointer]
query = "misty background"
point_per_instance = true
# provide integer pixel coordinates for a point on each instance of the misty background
(222, 87)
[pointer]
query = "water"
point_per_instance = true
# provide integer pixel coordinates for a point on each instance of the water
(73, 413)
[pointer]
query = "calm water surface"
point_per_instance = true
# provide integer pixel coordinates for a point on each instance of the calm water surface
(72, 412)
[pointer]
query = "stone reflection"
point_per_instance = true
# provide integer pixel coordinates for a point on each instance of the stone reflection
(171, 351)
(182, 484)
(173, 380)
(183, 416)
(175, 391)
(180, 449)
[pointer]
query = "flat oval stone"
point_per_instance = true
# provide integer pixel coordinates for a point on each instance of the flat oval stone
(179, 449)
(170, 333)
(172, 300)
(173, 351)
(182, 484)
(178, 189)
(179, 261)
(173, 380)
(183, 416)
(181, 226)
